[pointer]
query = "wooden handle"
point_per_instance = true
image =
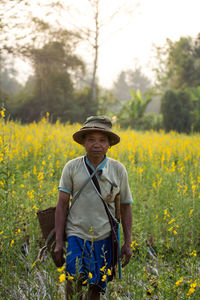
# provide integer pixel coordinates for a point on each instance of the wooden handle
(117, 207)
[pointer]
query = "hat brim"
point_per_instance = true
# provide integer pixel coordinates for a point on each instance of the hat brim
(79, 135)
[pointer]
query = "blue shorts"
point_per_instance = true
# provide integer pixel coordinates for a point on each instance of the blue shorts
(92, 259)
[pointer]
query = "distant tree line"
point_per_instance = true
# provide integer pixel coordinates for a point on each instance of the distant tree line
(179, 84)
(61, 85)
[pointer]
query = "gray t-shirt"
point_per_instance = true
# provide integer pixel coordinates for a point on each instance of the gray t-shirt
(87, 217)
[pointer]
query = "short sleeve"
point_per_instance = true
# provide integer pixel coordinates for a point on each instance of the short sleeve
(125, 193)
(65, 183)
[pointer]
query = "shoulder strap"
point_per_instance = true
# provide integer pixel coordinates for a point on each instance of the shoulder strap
(114, 223)
(97, 186)
(92, 174)
(94, 178)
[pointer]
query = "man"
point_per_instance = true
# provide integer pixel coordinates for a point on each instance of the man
(89, 245)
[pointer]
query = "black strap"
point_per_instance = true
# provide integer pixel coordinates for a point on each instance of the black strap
(92, 174)
(110, 217)
(96, 183)
(94, 179)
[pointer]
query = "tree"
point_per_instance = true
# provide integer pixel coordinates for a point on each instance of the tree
(133, 111)
(8, 84)
(178, 62)
(29, 32)
(121, 89)
(51, 89)
(8, 81)
(55, 66)
(107, 104)
(176, 111)
(195, 114)
(130, 80)
(17, 22)
(101, 14)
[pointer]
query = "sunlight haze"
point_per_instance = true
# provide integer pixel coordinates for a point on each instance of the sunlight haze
(128, 41)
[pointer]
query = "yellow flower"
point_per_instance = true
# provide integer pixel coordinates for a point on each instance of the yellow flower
(194, 253)
(193, 285)
(34, 170)
(102, 269)
(179, 282)
(61, 269)
(134, 244)
(90, 275)
(1, 232)
(103, 278)
(68, 275)
(191, 291)
(175, 232)
(191, 211)
(35, 207)
(2, 112)
(33, 265)
(109, 272)
(170, 222)
(170, 229)
(11, 243)
(62, 278)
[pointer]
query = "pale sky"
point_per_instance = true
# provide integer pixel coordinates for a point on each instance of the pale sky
(151, 23)
(157, 20)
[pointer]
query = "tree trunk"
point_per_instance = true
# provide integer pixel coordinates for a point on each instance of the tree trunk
(96, 51)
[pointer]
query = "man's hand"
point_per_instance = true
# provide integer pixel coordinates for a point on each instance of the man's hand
(59, 253)
(126, 254)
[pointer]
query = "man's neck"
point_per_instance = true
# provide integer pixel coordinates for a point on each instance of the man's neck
(95, 161)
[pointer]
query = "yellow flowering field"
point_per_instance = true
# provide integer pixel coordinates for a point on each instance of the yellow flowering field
(164, 177)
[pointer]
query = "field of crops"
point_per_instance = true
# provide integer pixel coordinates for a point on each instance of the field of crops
(164, 177)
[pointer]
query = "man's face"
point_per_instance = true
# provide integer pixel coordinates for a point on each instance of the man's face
(96, 145)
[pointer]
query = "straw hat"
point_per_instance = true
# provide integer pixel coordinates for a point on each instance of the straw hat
(97, 124)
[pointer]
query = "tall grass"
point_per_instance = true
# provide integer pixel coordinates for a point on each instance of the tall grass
(164, 177)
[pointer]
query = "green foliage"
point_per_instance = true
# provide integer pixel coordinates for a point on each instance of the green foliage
(176, 111)
(195, 97)
(133, 111)
(51, 88)
(178, 75)
(8, 82)
(108, 104)
(130, 80)
(150, 122)
(83, 106)
(3, 98)
(57, 69)
(178, 64)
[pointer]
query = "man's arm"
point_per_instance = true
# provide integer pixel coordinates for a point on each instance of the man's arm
(62, 208)
(126, 218)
